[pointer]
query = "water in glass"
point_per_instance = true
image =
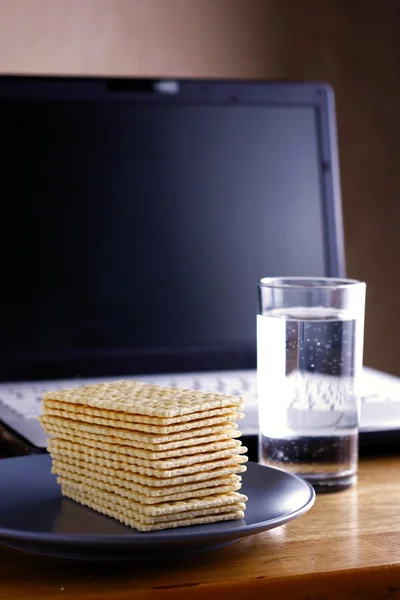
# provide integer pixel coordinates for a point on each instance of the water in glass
(308, 372)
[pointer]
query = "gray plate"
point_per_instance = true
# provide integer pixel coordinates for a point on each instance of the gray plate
(34, 517)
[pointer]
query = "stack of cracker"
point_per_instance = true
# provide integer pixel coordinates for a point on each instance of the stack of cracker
(151, 457)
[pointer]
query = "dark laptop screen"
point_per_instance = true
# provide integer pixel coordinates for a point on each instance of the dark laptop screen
(134, 234)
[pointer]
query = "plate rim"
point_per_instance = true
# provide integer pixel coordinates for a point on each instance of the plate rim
(158, 537)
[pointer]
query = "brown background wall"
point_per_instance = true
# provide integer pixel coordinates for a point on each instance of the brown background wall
(353, 44)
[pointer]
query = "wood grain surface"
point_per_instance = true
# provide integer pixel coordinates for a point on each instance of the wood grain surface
(347, 546)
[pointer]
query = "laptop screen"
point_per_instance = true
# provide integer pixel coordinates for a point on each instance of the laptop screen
(134, 232)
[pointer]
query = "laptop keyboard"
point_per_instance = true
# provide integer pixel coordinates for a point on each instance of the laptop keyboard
(381, 392)
(25, 398)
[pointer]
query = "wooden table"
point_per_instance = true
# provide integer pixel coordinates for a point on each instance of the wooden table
(346, 547)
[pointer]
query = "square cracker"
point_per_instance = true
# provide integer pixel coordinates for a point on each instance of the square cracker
(150, 494)
(100, 435)
(165, 508)
(133, 434)
(66, 469)
(156, 495)
(143, 398)
(129, 507)
(103, 447)
(218, 423)
(110, 458)
(121, 469)
(49, 405)
(144, 527)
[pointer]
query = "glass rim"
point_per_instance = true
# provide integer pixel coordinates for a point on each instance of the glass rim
(309, 282)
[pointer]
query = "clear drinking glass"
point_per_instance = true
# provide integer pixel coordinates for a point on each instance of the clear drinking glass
(310, 335)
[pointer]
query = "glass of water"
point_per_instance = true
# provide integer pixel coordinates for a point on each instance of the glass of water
(310, 335)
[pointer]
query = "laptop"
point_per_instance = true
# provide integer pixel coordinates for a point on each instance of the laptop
(138, 216)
